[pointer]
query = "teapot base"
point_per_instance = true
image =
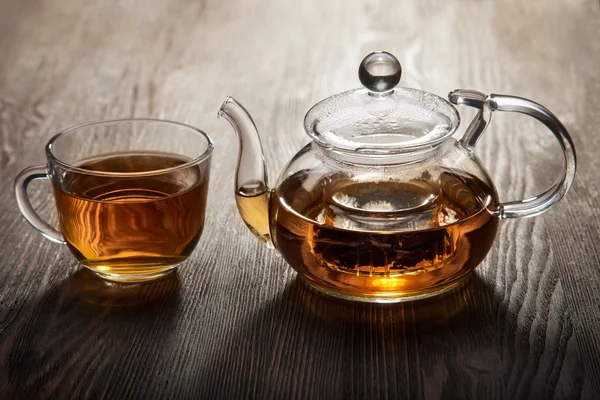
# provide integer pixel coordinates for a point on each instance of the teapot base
(388, 298)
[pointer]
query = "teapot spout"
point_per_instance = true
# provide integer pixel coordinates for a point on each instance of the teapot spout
(252, 193)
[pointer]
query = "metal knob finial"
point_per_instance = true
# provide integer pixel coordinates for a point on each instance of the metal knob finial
(380, 72)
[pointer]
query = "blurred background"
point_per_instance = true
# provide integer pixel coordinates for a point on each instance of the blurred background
(67, 62)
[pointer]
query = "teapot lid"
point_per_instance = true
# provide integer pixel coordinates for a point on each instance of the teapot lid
(381, 118)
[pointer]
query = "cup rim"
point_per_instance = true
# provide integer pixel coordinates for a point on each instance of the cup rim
(53, 159)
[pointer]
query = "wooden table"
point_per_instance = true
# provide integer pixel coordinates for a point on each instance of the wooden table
(234, 322)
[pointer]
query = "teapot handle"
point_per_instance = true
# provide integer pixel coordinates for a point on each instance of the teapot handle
(495, 102)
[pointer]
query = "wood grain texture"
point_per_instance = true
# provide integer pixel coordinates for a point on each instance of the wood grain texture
(234, 322)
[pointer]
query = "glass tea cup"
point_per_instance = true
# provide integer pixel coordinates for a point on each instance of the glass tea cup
(130, 195)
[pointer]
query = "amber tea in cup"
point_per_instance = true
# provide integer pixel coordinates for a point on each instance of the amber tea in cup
(130, 195)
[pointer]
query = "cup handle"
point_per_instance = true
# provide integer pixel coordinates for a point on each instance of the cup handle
(21, 182)
(495, 102)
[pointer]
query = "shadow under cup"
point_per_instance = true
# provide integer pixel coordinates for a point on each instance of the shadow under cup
(130, 195)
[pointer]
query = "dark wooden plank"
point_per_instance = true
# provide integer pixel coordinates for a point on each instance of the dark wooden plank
(234, 322)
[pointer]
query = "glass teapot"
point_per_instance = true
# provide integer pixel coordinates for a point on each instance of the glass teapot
(384, 205)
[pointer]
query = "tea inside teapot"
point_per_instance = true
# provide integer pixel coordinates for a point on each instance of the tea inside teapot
(395, 233)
